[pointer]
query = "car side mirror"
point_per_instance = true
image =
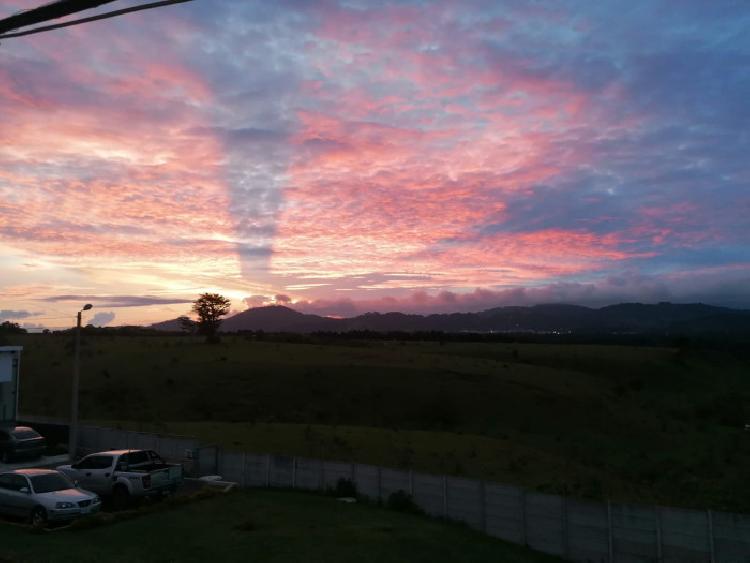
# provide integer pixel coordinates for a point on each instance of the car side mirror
(75, 484)
(24, 490)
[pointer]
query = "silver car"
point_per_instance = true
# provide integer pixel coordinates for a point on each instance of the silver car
(44, 495)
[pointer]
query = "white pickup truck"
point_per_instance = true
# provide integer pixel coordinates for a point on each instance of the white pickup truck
(125, 474)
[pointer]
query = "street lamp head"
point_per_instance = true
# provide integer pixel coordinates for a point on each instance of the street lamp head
(87, 306)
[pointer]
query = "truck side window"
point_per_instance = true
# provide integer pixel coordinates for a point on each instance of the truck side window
(96, 462)
(138, 458)
(124, 462)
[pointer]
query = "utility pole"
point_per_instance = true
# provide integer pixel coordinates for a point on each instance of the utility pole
(73, 432)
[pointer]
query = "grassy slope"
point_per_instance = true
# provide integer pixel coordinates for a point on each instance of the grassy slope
(639, 424)
(273, 527)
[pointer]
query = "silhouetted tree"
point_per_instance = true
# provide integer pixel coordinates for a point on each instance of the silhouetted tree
(210, 307)
(12, 328)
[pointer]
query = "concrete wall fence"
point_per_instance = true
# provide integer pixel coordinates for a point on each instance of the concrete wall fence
(574, 529)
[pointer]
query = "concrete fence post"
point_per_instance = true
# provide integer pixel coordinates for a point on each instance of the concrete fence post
(711, 542)
(268, 470)
(243, 480)
(524, 527)
(445, 496)
(294, 472)
(610, 535)
(659, 538)
(482, 507)
(380, 482)
(564, 525)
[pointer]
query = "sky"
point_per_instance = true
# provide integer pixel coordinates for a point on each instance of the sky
(349, 156)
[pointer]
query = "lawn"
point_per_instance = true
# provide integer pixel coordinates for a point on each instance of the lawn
(640, 424)
(268, 526)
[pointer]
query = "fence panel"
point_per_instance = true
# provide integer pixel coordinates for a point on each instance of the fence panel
(544, 523)
(587, 531)
(87, 437)
(576, 529)
(393, 480)
(143, 441)
(366, 480)
(282, 471)
(111, 439)
(428, 493)
(174, 448)
(333, 471)
(232, 466)
(206, 462)
(634, 534)
(685, 536)
(309, 474)
(731, 537)
(504, 512)
(255, 471)
(465, 501)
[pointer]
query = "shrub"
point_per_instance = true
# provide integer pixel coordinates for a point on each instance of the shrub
(345, 488)
(402, 501)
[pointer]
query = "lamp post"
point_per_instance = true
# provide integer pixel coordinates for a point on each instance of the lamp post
(73, 434)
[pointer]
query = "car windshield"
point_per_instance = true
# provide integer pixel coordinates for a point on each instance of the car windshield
(50, 482)
(26, 434)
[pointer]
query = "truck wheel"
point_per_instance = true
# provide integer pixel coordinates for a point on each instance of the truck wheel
(120, 497)
(38, 518)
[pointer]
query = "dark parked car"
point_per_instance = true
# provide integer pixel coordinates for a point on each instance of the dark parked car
(20, 442)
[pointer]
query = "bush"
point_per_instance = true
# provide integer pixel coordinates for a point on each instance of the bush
(402, 501)
(345, 488)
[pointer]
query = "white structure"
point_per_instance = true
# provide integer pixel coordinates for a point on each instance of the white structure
(10, 364)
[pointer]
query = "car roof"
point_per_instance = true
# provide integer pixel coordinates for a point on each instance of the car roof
(31, 472)
(14, 428)
(116, 452)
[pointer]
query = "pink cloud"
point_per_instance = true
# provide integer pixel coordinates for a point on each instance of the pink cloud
(393, 183)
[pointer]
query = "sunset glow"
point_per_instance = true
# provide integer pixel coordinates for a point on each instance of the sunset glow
(415, 156)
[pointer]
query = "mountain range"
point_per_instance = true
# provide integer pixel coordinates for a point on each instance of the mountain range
(623, 318)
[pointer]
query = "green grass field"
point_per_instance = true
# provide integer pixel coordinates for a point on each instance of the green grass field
(268, 526)
(627, 423)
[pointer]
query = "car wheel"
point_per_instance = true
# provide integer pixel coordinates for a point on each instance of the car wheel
(38, 518)
(120, 497)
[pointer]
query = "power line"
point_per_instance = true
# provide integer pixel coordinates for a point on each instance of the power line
(51, 11)
(106, 15)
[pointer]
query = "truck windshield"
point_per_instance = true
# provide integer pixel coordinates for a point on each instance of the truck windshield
(50, 483)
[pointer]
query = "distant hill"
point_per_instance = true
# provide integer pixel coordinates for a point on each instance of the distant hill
(172, 325)
(276, 318)
(623, 318)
